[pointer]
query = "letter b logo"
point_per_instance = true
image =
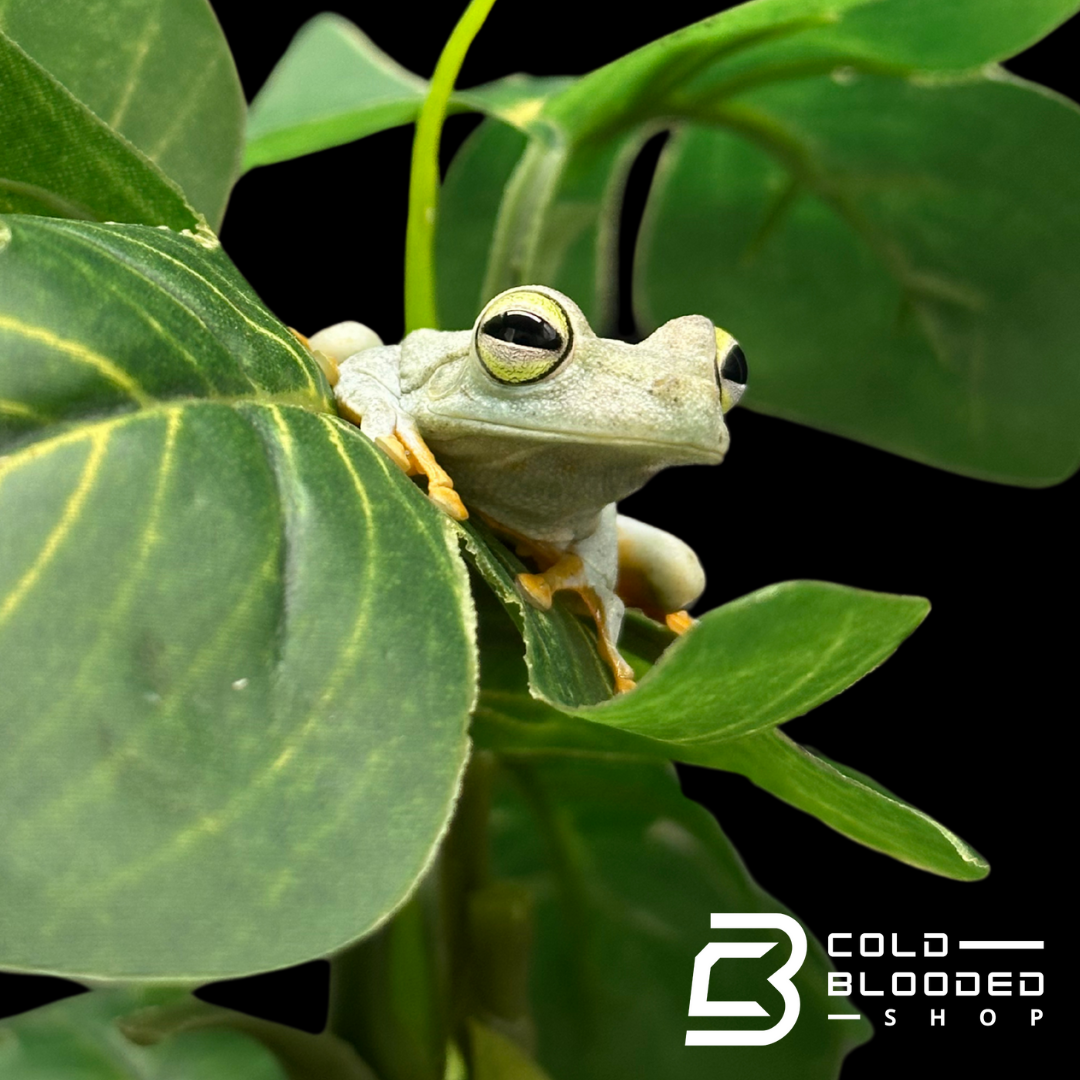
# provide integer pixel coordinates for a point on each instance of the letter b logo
(700, 1005)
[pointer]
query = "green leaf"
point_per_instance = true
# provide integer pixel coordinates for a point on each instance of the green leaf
(303, 1056)
(61, 160)
(157, 71)
(496, 1057)
(749, 665)
(333, 85)
(97, 320)
(851, 803)
(215, 699)
(80, 1037)
(388, 993)
(468, 207)
(163, 1035)
(558, 222)
(564, 665)
(508, 720)
(624, 872)
(517, 99)
(778, 40)
(763, 659)
(853, 196)
(885, 250)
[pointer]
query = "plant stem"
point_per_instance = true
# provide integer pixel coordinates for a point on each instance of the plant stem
(420, 306)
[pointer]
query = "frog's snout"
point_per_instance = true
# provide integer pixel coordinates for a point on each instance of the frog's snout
(731, 371)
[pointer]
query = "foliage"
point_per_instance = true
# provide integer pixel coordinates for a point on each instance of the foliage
(242, 745)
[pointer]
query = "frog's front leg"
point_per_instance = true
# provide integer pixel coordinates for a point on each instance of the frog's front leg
(658, 573)
(368, 392)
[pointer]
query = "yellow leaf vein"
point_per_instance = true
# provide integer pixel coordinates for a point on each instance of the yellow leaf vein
(80, 353)
(99, 440)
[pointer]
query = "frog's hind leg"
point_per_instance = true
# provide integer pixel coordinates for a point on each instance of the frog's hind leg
(588, 569)
(658, 573)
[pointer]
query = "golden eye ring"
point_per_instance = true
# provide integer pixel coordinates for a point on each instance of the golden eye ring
(522, 336)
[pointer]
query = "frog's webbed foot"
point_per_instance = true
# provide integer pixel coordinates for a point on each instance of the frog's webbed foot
(421, 461)
(570, 572)
(658, 573)
(678, 622)
(367, 393)
(586, 568)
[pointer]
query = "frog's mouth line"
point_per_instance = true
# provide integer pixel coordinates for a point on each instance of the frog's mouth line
(550, 434)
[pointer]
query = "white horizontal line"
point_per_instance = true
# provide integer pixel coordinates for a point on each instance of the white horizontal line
(1001, 945)
(844, 1016)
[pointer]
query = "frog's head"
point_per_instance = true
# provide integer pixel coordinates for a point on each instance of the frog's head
(535, 365)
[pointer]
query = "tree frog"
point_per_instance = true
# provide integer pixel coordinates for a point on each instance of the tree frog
(540, 426)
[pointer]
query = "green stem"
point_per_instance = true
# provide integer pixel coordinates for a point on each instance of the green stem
(420, 307)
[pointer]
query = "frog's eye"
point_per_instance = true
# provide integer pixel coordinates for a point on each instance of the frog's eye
(731, 370)
(522, 336)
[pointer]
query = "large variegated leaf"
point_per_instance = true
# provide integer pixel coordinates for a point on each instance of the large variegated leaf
(159, 72)
(228, 744)
(58, 158)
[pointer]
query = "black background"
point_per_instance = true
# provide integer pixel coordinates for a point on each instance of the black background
(967, 721)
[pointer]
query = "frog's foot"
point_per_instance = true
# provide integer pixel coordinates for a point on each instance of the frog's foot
(326, 362)
(678, 622)
(570, 572)
(403, 444)
(422, 462)
(658, 573)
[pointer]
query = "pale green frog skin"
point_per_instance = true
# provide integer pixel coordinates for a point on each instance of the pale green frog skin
(542, 427)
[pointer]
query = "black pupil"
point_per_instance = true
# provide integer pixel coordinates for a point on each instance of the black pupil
(734, 366)
(524, 328)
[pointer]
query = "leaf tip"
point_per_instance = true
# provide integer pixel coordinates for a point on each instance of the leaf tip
(5, 234)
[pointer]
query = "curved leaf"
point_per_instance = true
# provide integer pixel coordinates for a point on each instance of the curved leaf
(79, 1037)
(749, 665)
(889, 250)
(157, 71)
(509, 721)
(623, 872)
(333, 85)
(59, 159)
(302, 1055)
(763, 659)
(776, 40)
(560, 652)
(215, 699)
(101, 319)
(851, 803)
